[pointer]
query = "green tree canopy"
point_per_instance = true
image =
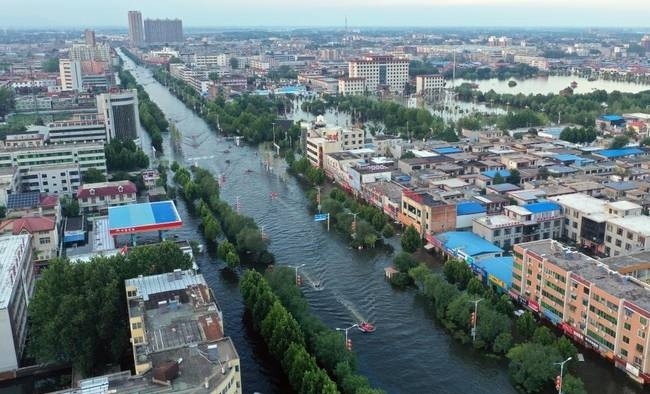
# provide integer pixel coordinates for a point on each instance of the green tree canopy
(411, 240)
(93, 175)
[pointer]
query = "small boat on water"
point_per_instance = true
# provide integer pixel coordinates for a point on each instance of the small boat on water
(512, 83)
(366, 327)
(574, 84)
(226, 151)
(227, 161)
(248, 171)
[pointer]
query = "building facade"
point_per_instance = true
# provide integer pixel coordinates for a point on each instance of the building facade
(70, 74)
(16, 288)
(593, 304)
(381, 71)
(354, 86)
(429, 85)
(136, 32)
(97, 197)
(162, 31)
(120, 113)
(44, 232)
(85, 155)
(59, 179)
(79, 129)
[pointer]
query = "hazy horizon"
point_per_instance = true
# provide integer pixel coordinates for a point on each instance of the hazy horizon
(359, 13)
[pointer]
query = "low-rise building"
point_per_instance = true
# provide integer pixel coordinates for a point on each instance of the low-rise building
(16, 288)
(97, 197)
(44, 232)
(352, 86)
(429, 85)
(61, 179)
(84, 154)
(25, 204)
(426, 214)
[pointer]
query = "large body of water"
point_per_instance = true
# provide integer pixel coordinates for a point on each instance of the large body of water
(553, 84)
(407, 354)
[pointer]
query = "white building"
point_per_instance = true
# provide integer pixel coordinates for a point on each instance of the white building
(98, 197)
(381, 71)
(60, 179)
(533, 61)
(120, 112)
(16, 289)
(324, 140)
(210, 60)
(79, 129)
(85, 155)
(70, 74)
(429, 85)
(352, 86)
(101, 52)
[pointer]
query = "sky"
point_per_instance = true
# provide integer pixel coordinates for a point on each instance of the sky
(360, 13)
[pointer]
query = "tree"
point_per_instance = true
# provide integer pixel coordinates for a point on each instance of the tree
(234, 63)
(543, 336)
(620, 141)
(93, 175)
(50, 65)
(526, 325)
(457, 272)
(69, 206)
(474, 286)
(542, 173)
(387, 231)
(645, 141)
(214, 76)
(403, 262)
(515, 177)
(502, 343)
(6, 101)
(531, 366)
(419, 274)
(498, 179)
(572, 385)
(411, 240)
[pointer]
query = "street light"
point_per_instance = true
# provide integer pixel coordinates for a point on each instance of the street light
(348, 342)
(296, 268)
(558, 380)
(354, 223)
(474, 318)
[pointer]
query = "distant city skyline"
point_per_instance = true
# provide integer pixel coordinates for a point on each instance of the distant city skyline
(360, 13)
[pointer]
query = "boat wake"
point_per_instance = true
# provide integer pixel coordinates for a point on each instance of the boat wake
(350, 307)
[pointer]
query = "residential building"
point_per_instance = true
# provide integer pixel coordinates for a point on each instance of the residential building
(35, 203)
(594, 305)
(44, 232)
(70, 74)
(426, 214)
(60, 179)
(380, 71)
(177, 334)
(625, 235)
(97, 197)
(84, 154)
(79, 129)
(542, 220)
(163, 31)
(324, 140)
(120, 113)
(354, 86)
(362, 174)
(429, 85)
(210, 60)
(9, 182)
(136, 32)
(579, 209)
(89, 37)
(16, 288)
(82, 52)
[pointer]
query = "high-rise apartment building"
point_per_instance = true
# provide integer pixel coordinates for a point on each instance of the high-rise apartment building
(70, 73)
(597, 306)
(89, 36)
(381, 72)
(136, 33)
(120, 112)
(16, 288)
(162, 31)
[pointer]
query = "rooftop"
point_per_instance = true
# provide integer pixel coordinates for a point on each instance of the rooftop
(504, 187)
(12, 251)
(106, 189)
(620, 263)
(469, 208)
(612, 153)
(23, 200)
(467, 242)
(493, 173)
(143, 217)
(621, 186)
(592, 270)
(637, 224)
(624, 205)
(581, 202)
(497, 221)
(543, 206)
(154, 284)
(499, 267)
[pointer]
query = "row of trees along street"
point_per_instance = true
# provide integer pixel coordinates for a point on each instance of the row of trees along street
(235, 236)
(416, 123)
(313, 356)
(532, 349)
(78, 313)
(151, 117)
(252, 117)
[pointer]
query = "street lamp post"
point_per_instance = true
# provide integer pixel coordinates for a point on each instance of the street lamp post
(354, 223)
(348, 342)
(474, 318)
(296, 268)
(558, 380)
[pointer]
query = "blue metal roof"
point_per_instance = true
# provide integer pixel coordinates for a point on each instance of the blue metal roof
(543, 206)
(622, 186)
(567, 157)
(493, 173)
(142, 215)
(611, 153)
(612, 118)
(504, 187)
(469, 208)
(500, 267)
(467, 242)
(447, 150)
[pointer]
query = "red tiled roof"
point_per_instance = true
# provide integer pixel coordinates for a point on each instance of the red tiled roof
(106, 189)
(50, 200)
(29, 224)
(211, 327)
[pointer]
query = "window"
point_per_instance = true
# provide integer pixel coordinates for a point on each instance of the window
(639, 348)
(136, 325)
(626, 339)
(44, 241)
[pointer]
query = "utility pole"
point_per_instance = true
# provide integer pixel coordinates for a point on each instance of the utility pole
(298, 280)
(237, 204)
(348, 341)
(474, 318)
(558, 379)
(354, 223)
(318, 198)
